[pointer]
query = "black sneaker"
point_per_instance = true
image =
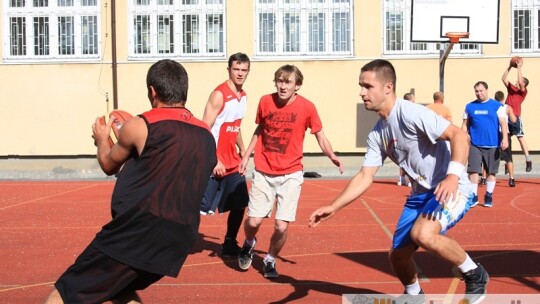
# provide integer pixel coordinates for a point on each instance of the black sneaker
(245, 257)
(511, 182)
(488, 200)
(529, 166)
(411, 299)
(474, 200)
(475, 284)
(269, 269)
(229, 248)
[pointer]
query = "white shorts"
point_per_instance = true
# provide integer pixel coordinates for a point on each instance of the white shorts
(266, 188)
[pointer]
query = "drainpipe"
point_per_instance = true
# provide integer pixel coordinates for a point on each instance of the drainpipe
(113, 38)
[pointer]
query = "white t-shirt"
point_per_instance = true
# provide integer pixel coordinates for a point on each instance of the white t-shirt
(409, 138)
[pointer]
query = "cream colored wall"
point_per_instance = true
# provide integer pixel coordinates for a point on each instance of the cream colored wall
(48, 108)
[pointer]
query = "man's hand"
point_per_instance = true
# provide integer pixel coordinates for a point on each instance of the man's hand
(338, 163)
(320, 215)
(446, 190)
(219, 170)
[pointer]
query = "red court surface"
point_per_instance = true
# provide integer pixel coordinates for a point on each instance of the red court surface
(46, 224)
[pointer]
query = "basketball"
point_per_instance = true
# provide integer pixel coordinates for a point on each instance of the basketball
(514, 61)
(119, 118)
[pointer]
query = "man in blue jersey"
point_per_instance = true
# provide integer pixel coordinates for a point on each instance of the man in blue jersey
(482, 119)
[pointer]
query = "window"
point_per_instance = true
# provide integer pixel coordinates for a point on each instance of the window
(51, 30)
(303, 27)
(169, 28)
(397, 33)
(525, 26)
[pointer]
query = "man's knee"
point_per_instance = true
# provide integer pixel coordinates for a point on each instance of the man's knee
(281, 226)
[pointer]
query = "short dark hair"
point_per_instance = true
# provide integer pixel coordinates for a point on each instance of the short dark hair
(239, 58)
(169, 80)
(481, 83)
(525, 81)
(287, 70)
(383, 69)
(499, 96)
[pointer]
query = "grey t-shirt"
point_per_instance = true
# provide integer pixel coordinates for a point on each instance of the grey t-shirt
(409, 138)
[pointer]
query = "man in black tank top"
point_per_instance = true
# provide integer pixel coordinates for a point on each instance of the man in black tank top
(166, 156)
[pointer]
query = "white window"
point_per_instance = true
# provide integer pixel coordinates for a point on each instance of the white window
(172, 28)
(304, 27)
(51, 29)
(397, 33)
(525, 26)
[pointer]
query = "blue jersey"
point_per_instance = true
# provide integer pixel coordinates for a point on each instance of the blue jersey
(483, 123)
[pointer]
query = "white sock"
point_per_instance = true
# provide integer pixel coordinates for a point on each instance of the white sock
(475, 189)
(251, 242)
(413, 289)
(490, 186)
(527, 158)
(269, 258)
(468, 265)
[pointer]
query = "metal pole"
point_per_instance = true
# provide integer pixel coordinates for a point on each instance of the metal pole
(442, 62)
(113, 38)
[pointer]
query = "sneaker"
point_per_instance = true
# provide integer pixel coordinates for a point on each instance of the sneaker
(210, 212)
(474, 200)
(529, 166)
(488, 200)
(511, 182)
(475, 284)
(245, 257)
(269, 269)
(411, 299)
(203, 212)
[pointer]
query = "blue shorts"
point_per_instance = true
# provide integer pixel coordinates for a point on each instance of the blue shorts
(447, 214)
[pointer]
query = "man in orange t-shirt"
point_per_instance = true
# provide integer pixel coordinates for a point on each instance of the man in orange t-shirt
(438, 106)
(282, 118)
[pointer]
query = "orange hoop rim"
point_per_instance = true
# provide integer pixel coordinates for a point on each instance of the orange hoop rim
(455, 36)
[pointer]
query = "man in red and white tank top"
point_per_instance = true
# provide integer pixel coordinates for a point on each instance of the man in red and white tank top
(227, 189)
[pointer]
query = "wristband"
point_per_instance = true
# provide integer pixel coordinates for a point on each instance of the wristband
(455, 168)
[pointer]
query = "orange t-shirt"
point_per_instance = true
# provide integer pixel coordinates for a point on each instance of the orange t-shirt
(280, 146)
(441, 109)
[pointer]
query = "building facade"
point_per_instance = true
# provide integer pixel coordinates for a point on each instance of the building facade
(66, 62)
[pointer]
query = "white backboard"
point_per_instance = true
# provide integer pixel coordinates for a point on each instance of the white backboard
(432, 19)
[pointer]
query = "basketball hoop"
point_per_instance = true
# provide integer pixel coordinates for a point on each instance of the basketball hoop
(455, 36)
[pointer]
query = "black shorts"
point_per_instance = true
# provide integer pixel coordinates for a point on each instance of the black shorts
(506, 154)
(96, 278)
(225, 194)
(516, 128)
(487, 157)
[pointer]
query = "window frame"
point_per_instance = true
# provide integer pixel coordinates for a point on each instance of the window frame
(516, 30)
(194, 12)
(50, 46)
(284, 41)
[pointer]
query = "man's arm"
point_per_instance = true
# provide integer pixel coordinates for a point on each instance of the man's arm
(354, 189)
(211, 112)
(240, 144)
(132, 136)
(521, 82)
(213, 106)
(326, 147)
(504, 77)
